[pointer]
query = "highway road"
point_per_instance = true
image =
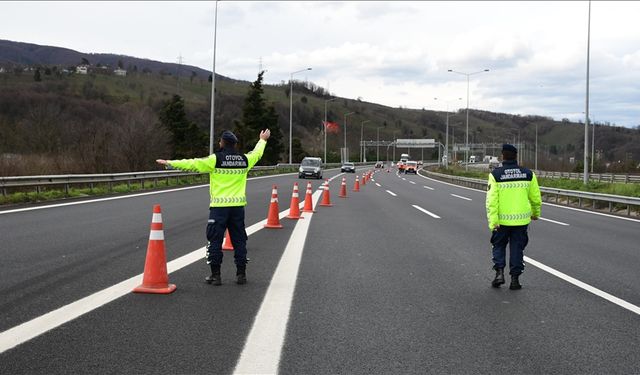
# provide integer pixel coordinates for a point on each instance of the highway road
(392, 279)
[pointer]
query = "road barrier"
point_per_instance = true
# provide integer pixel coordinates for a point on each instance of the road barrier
(568, 197)
(600, 177)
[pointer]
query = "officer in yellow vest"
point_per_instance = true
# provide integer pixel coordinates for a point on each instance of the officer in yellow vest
(227, 170)
(513, 200)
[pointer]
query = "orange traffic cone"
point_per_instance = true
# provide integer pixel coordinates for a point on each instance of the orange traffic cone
(308, 199)
(326, 196)
(155, 278)
(356, 185)
(273, 218)
(364, 179)
(343, 188)
(294, 210)
(227, 244)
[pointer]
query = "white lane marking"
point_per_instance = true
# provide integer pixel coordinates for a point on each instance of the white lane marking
(427, 187)
(461, 197)
(263, 347)
(125, 196)
(411, 182)
(44, 323)
(613, 299)
(392, 193)
(378, 185)
(404, 179)
(425, 211)
(544, 203)
(553, 221)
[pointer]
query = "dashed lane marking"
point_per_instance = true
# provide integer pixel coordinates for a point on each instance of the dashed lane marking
(553, 221)
(428, 187)
(378, 185)
(461, 197)
(392, 193)
(412, 182)
(426, 212)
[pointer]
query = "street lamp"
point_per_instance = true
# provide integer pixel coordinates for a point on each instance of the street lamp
(213, 82)
(346, 155)
(361, 134)
(446, 138)
(585, 175)
(291, 110)
(325, 127)
(378, 144)
(466, 151)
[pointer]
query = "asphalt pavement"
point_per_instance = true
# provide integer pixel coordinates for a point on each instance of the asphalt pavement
(392, 279)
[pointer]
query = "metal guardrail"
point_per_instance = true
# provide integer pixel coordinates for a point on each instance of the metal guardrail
(600, 177)
(579, 197)
(90, 180)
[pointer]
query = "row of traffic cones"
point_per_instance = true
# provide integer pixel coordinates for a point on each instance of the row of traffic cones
(155, 278)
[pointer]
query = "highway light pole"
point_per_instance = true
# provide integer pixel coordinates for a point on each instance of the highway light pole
(291, 110)
(213, 82)
(446, 138)
(325, 127)
(378, 144)
(346, 155)
(361, 134)
(466, 151)
(586, 121)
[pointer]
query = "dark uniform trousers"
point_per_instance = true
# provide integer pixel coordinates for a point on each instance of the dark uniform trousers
(517, 238)
(220, 219)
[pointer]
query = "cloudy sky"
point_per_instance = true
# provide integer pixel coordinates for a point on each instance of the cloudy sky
(388, 52)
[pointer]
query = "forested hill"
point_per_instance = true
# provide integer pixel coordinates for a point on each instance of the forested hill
(56, 120)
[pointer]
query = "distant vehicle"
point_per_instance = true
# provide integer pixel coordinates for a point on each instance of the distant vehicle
(472, 159)
(379, 164)
(420, 163)
(494, 162)
(411, 167)
(403, 159)
(348, 167)
(311, 167)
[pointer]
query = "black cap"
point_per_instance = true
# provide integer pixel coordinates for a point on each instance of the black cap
(508, 147)
(229, 137)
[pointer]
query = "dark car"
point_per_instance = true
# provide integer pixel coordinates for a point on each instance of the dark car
(348, 168)
(379, 164)
(310, 167)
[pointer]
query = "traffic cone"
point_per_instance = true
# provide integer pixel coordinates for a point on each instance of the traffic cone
(326, 196)
(227, 244)
(155, 278)
(273, 218)
(343, 188)
(294, 210)
(364, 179)
(308, 199)
(356, 185)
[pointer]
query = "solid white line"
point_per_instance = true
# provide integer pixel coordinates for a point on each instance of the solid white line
(427, 187)
(125, 196)
(44, 323)
(263, 348)
(613, 299)
(544, 203)
(425, 211)
(553, 221)
(461, 197)
(412, 182)
(392, 193)
(378, 185)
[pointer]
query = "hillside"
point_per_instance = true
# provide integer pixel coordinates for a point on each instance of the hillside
(71, 123)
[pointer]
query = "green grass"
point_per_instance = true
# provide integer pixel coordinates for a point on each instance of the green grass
(101, 190)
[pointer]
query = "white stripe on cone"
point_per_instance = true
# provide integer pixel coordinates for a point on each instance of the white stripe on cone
(156, 235)
(157, 218)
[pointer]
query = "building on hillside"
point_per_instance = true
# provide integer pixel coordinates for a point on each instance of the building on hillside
(120, 72)
(82, 69)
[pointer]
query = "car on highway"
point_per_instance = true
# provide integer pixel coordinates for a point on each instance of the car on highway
(348, 168)
(379, 164)
(310, 167)
(411, 167)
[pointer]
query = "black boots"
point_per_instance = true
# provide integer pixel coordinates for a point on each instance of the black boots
(515, 283)
(241, 275)
(215, 278)
(499, 279)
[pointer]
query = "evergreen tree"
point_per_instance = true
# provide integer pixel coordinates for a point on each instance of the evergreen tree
(257, 116)
(36, 76)
(297, 152)
(188, 140)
